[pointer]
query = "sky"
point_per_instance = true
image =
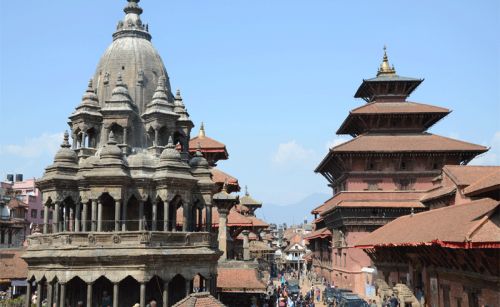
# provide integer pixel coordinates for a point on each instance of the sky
(273, 80)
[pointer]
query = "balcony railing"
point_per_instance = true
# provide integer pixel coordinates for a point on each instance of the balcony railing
(144, 239)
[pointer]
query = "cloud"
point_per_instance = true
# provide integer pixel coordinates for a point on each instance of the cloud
(45, 144)
(492, 156)
(337, 140)
(292, 152)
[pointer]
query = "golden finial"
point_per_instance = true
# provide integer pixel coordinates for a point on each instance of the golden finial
(385, 68)
(201, 134)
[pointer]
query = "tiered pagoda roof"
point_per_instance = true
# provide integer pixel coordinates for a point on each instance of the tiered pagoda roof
(211, 149)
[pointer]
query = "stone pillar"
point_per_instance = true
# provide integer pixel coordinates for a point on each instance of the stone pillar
(50, 294)
(188, 287)
(223, 232)
(62, 295)
(89, 295)
(125, 135)
(200, 220)
(27, 301)
(55, 218)
(64, 219)
(71, 224)
(39, 294)
(141, 215)
(155, 214)
(143, 294)
(93, 218)
(124, 216)
(45, 219)
(84, 136)
(208, 217)
(155, 143)
(186, 211)
(99, 215)
(117, 215)
(78, 216)
(116, 289)
(246, 245)
(165, 294)
(85, 217)
(166, 216)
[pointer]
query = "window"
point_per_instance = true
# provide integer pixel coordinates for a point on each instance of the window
(403, 165)
(42, 214)
(34, 213)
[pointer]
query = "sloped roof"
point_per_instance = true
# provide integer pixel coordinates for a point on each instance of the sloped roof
(423, 142)
(260, 246)
(16, 203)
(247, 280)
(381, 204)
(256, 222)
(207, 144)
(397, 108)
(438, 193)
(487, 183)
(319, 234)
(470, 225)
(468, 174)
(199, 299)
(12, 266)
(220, 177)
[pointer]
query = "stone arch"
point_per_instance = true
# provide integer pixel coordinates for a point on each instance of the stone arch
(176, 289)
(154, 290)
(76, 290)
(117, 132)
(160, 209)
(102, 291)
(174, 211)
(200, 283)
(132, 213)
(108, 211)
(163, 136)
(129, 291)
(92, 137)
(150, 137)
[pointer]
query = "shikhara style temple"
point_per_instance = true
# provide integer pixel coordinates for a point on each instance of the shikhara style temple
(379, 175)
(131, 199)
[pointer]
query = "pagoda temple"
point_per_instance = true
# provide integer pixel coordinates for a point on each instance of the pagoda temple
(380, 174)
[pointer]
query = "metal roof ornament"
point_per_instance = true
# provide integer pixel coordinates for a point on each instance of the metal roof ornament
(385, 68)
(201, 134)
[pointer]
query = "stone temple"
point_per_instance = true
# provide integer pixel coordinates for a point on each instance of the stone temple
(128, 200)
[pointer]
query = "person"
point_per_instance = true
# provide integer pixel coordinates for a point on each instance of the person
(318, 294)
(394, 301)
(136, 305)
(79, 304)
(34, 298)
(106, 299)
(152, 303)
(373, 303)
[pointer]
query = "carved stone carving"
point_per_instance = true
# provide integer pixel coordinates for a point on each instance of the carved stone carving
(91, 239)
(117, 239)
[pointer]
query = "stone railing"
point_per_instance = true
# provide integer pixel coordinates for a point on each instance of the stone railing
(146, 239)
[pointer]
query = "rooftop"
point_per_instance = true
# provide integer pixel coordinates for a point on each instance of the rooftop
(199, 299)
(247, 280)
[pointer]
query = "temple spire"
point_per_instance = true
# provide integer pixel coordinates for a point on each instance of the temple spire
(385, 68)
(65, 143)
(201, 134)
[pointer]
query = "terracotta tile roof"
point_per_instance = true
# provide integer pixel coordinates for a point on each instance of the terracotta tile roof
(16, 203)
(321, 207)
(251, 236)
(220, 177)
(390, 197)
(296, 239)
(470, 225)
(438, 193)
(258, 222)
(207, 144)
(320, 233)
(468, 174)
(398, 108)
(199, 299)
(242, 208)
(12, 266)
(487, 183)
(247, 280)
(422, 142)
(381, 204)
(259, 246)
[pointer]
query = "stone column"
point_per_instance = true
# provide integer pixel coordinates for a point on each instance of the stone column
(55, 219)
(124, 216)
(125, 135)
(71, 224)
(166, 207)
(143, 294)
(188, 287)
(45, 219)
(246, 245)
(155, 214)
(208, 217)
(165, 294)
(78, 216)
(89, 295)
(141, 215)
(200, 220)
(39, 294)
(84, 136)
(64, 218)
(186, 210)
(156, 138)
(27, 301)
(50, 293)
(116, 289)
(85, 217)
(99, 215)
(62, 295)
(223, 232)
(93, 217)
(117, 214)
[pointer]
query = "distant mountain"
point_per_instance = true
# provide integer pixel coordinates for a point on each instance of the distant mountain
(291, 213)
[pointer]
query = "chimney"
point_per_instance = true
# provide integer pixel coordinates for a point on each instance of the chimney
(19, 177)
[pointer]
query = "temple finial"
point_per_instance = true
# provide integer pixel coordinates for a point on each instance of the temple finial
(385, 67)
(201, 134)
(65, 143)
(111, 138)
(170, 142)
(246, 190)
